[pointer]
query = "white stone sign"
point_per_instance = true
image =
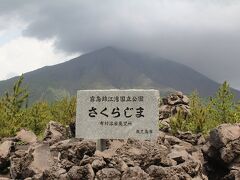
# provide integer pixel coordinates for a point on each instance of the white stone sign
(117, 114)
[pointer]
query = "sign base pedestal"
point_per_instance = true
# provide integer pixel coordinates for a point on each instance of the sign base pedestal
(101, 144)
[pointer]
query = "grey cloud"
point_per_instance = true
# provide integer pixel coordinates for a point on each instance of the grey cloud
(200, 33)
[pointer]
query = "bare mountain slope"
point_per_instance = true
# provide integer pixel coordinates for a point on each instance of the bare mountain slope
(113, 68)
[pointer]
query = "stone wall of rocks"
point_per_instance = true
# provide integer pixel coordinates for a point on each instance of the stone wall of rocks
(170, 106)
(57, 157)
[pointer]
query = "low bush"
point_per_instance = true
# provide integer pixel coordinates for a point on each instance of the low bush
(207, 114)
(15, 113)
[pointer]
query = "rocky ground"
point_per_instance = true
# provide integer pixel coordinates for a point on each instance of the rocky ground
(186, 156)
(170, 105)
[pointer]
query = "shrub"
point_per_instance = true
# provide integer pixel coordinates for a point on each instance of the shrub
(195, 121)
(15, 113)
(11, 104)
(207, 114)
(223, 107)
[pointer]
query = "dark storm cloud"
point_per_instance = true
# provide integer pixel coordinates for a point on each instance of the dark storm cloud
(200, 33)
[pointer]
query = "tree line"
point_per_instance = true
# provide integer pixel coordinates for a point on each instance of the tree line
(16, 113)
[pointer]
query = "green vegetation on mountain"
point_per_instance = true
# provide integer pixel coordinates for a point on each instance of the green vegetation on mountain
(16, 114)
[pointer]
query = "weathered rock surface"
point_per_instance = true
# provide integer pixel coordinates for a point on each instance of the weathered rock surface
(34, 162)
(98, 164)
(81, 172)
(74, 150)
(42, 158)
(223, 134)
(187, 170)
(55, 132)
(135, 173)
(5, 149)
(223, 151)
(171, 105)
(108, 174)
(55, 172)
(26, 136)
(195, 139)
(166, 157)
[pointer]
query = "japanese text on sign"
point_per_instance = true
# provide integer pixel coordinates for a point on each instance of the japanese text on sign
(116, 99)
(128, 112)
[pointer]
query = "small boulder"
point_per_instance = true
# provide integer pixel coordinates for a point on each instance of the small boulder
(66, 164)
(81, 172)
(42, 159)
(179, 154)
(135, 173)
(37, 160)
(185, 100)
(98, 164)
(165, 112)
(26, 136)
(231, 152)
(220, 136)
(19, 167)
(55, 132)
(74, 149)
(179, 94)
(55, 173)
(119, 163)
(108, 174)
(5, 150)
(187, 170)
(194, 139)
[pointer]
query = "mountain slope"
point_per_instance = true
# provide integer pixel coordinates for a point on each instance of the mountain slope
(113, 68)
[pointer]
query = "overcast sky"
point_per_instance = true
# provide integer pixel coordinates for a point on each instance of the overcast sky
(203, 34)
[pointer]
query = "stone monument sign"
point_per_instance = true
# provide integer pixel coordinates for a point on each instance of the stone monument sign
(117, 114)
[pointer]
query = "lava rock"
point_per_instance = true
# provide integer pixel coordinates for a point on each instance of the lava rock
(55, 132)
(5, 149)
(26, 136)
(220, 136)
(108, 174)
(135, 173)
(81, 172)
